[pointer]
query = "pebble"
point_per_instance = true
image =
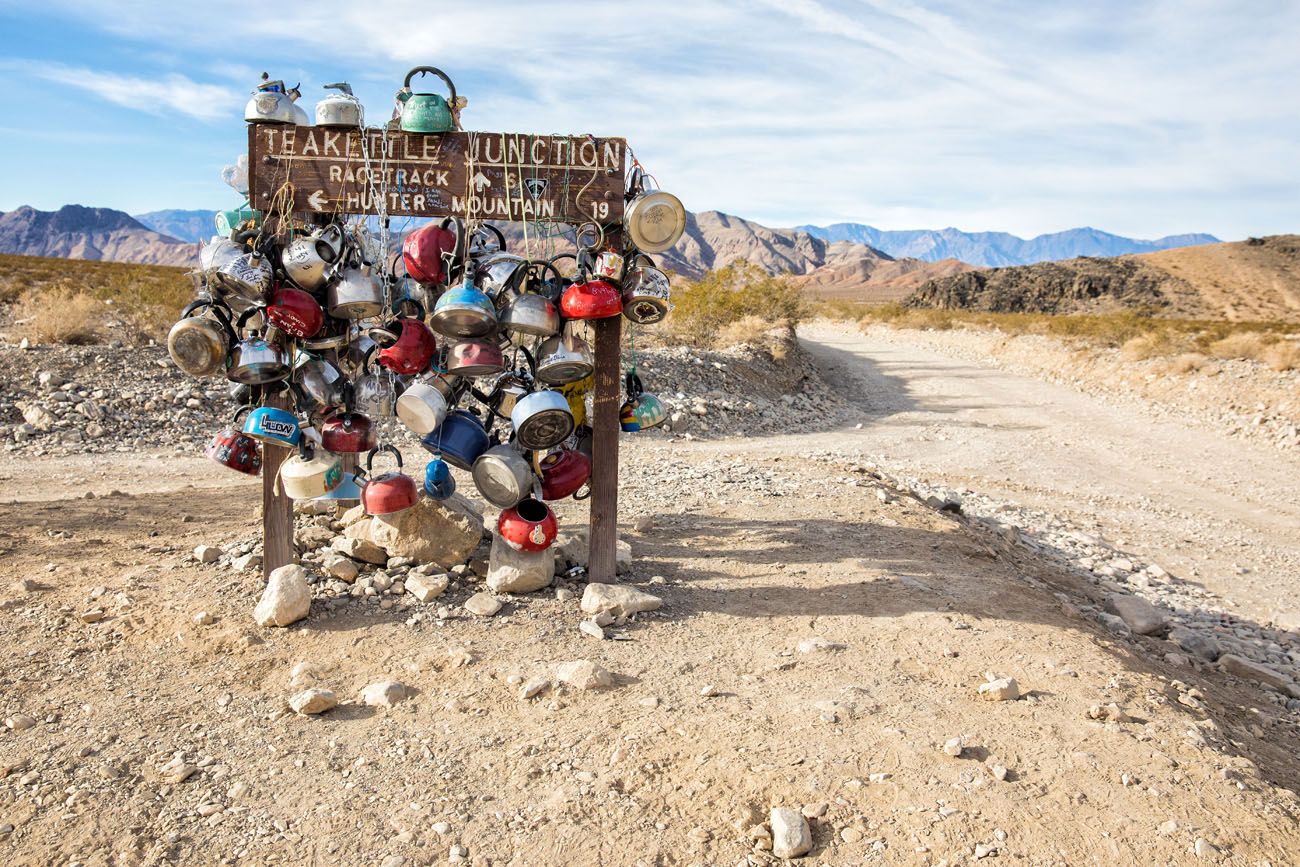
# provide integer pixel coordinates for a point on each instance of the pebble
(342, 569)
(20, 722)
(815, 811)
(817, 644)
(313, 701)
(483, 604)
(587, 627)
(999, 688)
(385, 693)
(534, 687)
(1251, 670)
(1204, 848)
(202, 618)
(1108, 713)
(850, 835)
(791, 836)
(953, 747)
(207, 554)
(1138, 615)
(426, 588)
(709, 691)
(583, 674)
(93, 615)
(617, 599)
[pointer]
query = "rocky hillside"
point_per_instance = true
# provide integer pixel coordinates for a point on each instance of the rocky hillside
(995, 249)
(1255, 279)
(77, 232)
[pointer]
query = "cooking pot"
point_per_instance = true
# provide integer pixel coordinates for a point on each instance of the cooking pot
(413, 350)
(348, 433)
(542, 420)
(564, 358)
(200, 345)
(528, 526)
(355, 293)
(295, 312)
(645, 295)
(234, 449)
(374, 392)
(319, 382)
(654, 220)
(427, 251)
(503, 476)
(564, 472)
(422, 407)
(272, 102)
(461, 438)
(642, 410)
(426, 112)
(594, 299)
(389, 493)
(474, 358)
(438, 480)
(306, 260)
(273, 426)
(256, 360)
(340, 109)
(310, 473)
(464, 312)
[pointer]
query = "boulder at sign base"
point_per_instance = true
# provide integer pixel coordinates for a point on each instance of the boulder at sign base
(361, 549)
(511, 571)
(286, 599)
(442, 532)
(617, 599)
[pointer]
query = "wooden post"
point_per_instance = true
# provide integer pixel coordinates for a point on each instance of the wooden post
(277, 509)
(604, 451)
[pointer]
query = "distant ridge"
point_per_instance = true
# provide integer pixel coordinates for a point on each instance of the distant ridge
(192, 226)
(997, 249)
(77, 232)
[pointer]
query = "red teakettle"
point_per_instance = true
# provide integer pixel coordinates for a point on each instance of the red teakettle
(529, 526)
(235, 449)
(594, 299)
(295, 312)
(389, 493)
(413, 350)
(423, 251)
(564, 472)
(348, 433)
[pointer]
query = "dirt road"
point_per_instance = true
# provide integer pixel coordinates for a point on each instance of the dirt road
(1209, 509)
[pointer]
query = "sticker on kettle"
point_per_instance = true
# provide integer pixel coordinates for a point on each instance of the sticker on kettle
(277, 428)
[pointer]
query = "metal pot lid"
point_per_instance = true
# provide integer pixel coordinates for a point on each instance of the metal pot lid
(463, 322)
(564, 372)
(498, 481)
(655, 221)
(357, 309)
(545, 429)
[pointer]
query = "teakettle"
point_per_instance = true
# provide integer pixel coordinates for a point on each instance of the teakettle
(422, 407)
(348, 432)
(503, 476)
(413, 350)
(426, 112)
(594, 299)
(306, 260)
(464, 312)
(564, 472)
(310, 473)
(389, 493)
(319, 382)
(355, 294)
(542, 420)
(654, 220)
(200, 345)
(257, 359)
(272, 102)
(295, 312)
(374, 392)
(474, 358)
(528, 526)
(427, 251)
(564, 358)
(244, 278)
(273, 426)
(646, 293)
(642, 410)
(460, 439)
(340, 109)
(234, 449)
(438, 480)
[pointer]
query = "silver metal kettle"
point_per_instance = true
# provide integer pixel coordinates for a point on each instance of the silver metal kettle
(340, 109)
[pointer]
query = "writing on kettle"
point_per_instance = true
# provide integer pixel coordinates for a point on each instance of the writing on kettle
(503, 176)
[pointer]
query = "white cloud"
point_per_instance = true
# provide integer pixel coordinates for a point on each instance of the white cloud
(167, 94)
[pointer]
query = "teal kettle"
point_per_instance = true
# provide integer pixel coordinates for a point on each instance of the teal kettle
(426, 112)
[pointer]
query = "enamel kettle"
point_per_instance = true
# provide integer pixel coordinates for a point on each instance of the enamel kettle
(272, 102)
(426, 112)
(340, 109)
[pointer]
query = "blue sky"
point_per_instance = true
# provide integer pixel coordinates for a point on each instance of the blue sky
(1139, 118)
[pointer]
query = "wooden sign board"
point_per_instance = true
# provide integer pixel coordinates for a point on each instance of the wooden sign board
(473, 175)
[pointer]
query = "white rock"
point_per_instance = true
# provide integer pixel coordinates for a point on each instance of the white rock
(426, 588)
(385, 693)
(953, 747)
(588, 627)
(791, 836)
(313, 701)
(618, 599)
(19, 722)
(286, 599)
(817, 644)
(483, 604)
(534, 687)
(511, 571)
(202, 618)
(207, 554)
(247, 563)
(1000, 689)
(341, 568)
(583, 674)
(442, 532)
(361, 549)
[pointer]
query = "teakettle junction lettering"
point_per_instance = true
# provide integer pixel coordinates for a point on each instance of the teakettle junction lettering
(501, 176)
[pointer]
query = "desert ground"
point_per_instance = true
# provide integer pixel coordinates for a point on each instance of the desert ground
(834, 594)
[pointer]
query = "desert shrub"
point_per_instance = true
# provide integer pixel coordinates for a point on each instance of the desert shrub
(1187, 362)
(1159, 343)
(61, 316)
(706, 309)
(1247, 345)
(1283, 355)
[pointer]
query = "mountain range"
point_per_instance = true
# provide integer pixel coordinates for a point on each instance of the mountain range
(76, 232)
(995, 249)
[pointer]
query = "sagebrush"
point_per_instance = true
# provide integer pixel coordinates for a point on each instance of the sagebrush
(735, 304)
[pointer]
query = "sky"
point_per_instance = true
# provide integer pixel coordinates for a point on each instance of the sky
(1140, 118)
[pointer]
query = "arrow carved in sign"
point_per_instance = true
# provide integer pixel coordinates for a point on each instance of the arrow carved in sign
(480, 181)
(317, 200)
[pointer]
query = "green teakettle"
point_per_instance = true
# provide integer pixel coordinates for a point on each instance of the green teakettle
(426, 112)
(232, 221)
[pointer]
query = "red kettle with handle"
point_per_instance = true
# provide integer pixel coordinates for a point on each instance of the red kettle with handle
(426, 250)
(389, 493)
(413, 349)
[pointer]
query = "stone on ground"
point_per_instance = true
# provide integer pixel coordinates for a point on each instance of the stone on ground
(791, 836)
(511, 571)
(341, 568)
(999, 689)
(1138, 614)
(361, 549)
(286, 599)
(207, 554)
(313, 701)
(426, 588)
(583, 674)
(817, 644)
(385, 693)
(442, 532)
(1256, 671)
(483, 604)
(618, 599)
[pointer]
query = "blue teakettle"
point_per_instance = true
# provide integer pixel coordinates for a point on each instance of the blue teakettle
(268, 424)
(438, 481)
(460, 439)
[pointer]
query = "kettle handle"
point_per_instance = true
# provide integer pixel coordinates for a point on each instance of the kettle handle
(422, 70)
(340, 86)
(248, 314)
(239, 411)
(391, 449)
(489, 228)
